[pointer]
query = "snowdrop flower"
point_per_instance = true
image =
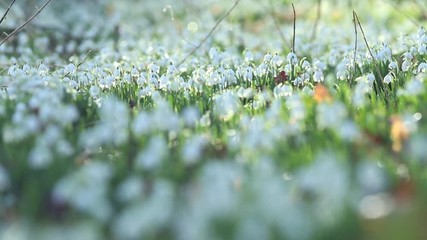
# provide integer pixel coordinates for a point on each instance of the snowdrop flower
(193, 148)
(422, 68)
(292, 58)
(262, 69)
(306, 66)
(153, 154)
(13, 70)
(245, 92)
(422, 50)
(277, 60)
(70, 69)
(190, 116)
(392, 65)
(249, 56)
(141, 124)
(406, 65)
(349, 131)
(248, 74)
(226, 105)
(296, 108)
(384, 53)
(145, 218)
(318, 76)
(330, 115)
(267, 57)
(413, 87)
(153, 68)
(112, 128)
(282, 91)
(87, 190)
(370, 77)
(130, 189)
(229, 77)
(328, 181)
(371, 178)
(388, 78)
(94, 91)
(107, 82)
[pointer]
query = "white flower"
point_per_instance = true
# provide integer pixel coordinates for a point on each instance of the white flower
(153, 68)
(318, 76)
(248, 75)
(190, 116)
(87, 190)
(296, 108)
(413, 87)
(371, 177)
(141, 124)
(328, 181)
(388, 78)
(130, 189)
(40, 156)
(277, 60)
(267, 57)
(422, 68)
(392, 65)
(282, 90)
(142, 219)
(153, 155)
(330, 115)
(292, 58)
(422, 50)
(226, 105)
(70, 68)
(406, 65)
(193, 149)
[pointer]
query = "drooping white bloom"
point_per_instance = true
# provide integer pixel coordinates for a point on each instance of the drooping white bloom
(292, 58)
(226, 105)
(153, 155)
(388, 78)
(406, 65)
(87, 190)
(193, 149)
(318, 76)
(330, 115)
(130, 189)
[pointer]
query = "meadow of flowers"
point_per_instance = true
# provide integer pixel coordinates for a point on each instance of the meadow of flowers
(109, 130)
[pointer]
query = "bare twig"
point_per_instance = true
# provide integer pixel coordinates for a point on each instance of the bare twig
(293, 43)
(7, 11)
(318, 15)
(209, 34)
(367, 45)
(355, 45)
(293, 33)
(18, 29)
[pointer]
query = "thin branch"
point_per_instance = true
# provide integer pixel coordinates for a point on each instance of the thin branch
(209, 34)
(293, 43)
(318, 15)
(367, 45)
(355, 44)
(293, 34)
(18, 29)
(7, 11)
